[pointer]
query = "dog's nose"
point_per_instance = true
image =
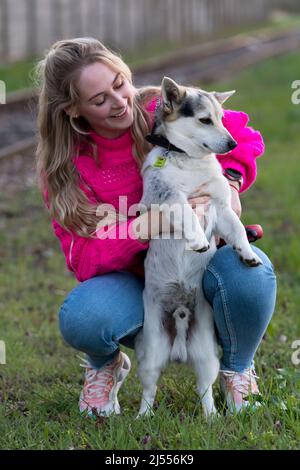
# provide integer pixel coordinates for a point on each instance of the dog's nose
(232, 144)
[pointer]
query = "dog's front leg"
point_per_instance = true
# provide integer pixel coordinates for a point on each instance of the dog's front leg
(231, 229)
(180, 214)
(228, 225)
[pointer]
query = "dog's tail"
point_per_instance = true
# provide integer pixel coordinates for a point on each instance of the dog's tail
(182, 317)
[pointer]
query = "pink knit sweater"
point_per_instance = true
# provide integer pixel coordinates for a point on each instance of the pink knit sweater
(117, 174)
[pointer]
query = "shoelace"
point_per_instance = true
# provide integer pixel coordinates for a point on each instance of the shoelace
(98, 382)
(238, 382)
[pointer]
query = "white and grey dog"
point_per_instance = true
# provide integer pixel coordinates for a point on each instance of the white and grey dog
(178, 323)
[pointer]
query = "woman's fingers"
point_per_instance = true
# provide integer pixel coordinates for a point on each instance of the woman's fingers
(200, 200)
(200, 191)
(235, 202)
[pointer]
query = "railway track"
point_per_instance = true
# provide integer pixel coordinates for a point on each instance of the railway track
(17, 123)
(201, 63)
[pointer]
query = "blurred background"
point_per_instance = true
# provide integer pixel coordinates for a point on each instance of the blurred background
(28, 27)
(252, 47)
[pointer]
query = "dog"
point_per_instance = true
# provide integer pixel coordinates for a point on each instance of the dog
(178, 322)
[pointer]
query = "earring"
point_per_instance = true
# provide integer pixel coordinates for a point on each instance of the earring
(76, 129)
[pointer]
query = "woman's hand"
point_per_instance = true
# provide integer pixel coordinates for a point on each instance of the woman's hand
(151, 224)
(200, 201)
(200, 204)
(146, 227)
(202, 198)
(235, 198)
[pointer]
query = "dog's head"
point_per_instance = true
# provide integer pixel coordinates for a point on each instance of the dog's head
(191, 118)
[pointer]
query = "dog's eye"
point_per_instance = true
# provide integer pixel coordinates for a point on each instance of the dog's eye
(206, 121)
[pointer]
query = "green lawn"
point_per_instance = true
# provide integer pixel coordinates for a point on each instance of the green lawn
(41, 381)
(17, 75)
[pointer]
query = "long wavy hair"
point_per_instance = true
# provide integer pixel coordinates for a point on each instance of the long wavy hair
(60, 137)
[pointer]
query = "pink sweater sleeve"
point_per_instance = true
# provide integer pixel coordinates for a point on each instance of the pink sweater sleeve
(250, 146)
(89, 257)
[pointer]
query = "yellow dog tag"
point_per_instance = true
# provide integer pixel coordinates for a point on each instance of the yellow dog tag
(160, 162)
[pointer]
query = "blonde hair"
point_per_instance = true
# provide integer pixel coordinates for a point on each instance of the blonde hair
(59, 138)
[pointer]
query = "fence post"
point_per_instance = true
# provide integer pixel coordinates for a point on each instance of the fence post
(93, 18)
(75, 18)
(56, 23)
(4, 37)
(31, 28)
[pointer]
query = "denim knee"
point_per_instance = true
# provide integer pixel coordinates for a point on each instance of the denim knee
(101, 311)
(85, 335)
(253, 288)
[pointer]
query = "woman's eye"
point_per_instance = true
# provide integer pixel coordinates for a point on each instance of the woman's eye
(206, 121)
(99, 104)
(120, 85)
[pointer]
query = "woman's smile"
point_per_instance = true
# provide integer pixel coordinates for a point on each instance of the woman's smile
(121, 114)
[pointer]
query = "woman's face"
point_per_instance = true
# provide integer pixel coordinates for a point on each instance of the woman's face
(106, 100)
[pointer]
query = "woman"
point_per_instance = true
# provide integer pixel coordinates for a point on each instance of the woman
(92, 125)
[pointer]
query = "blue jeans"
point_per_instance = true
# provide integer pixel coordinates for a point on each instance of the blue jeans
(105, 311)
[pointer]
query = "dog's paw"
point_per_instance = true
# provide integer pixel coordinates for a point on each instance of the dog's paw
(198, 245)
(251, 261)
(197, 248)
(148, 413)
(203, 249)
(211, 414)
(210, 418)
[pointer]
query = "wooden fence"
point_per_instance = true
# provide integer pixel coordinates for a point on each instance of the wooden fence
(29, 27)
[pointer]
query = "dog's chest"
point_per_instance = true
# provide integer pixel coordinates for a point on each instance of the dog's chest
(184, 179)
(180, 171)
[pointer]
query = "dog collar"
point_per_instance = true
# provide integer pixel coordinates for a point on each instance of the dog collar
(161, 141)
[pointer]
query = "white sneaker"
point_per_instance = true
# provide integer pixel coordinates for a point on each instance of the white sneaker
(101, 386)
(237, 388)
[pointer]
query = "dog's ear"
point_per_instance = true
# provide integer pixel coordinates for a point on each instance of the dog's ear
(172, 94)
(222, 97)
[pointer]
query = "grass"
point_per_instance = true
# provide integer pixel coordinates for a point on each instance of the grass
(41, 381)
(17, 75)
